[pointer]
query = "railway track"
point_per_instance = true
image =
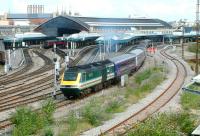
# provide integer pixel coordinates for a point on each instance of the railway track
(17, 96)
(27, 67)
(93, 56)
(81, 54)
(6, 122)
(59, 104)
(27, 94)
(21, 95)
(155, 105)
(47, 66)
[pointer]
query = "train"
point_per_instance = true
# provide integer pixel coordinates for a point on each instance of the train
(2, 57)
(80, 80)
(50, 43)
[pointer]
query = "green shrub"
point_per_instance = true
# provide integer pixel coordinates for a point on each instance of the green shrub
(146, 85)
(26, 122)
(173, 124)
(114, 105)
(185, 122)
(142, 76)
(92, 115)
(47, 111)
(147, 74)
(48, 132)
(29, 122)
(72, 122)
(129, 91)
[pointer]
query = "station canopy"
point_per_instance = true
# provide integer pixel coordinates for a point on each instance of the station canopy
(115, 38)
(82, 36)
(26, 37)
(62, 25)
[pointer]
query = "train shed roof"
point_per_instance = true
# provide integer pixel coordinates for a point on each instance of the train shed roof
(27, 37)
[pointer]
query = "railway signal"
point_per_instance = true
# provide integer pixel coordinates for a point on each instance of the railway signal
(66, 60)
(56, 72)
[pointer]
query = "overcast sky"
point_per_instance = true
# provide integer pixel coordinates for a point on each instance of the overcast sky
(168, 10)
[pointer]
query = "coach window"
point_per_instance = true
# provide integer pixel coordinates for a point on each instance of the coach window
(108, 69)
(83, 77)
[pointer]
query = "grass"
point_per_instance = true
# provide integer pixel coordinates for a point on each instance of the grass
(192, 48)
(101, 109)
(145, 82)
(92, 115)
(171, 124)
(190, 101)
(28, 122)
(195, 87)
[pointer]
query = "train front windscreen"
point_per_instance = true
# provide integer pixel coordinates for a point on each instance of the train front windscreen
(70, 76)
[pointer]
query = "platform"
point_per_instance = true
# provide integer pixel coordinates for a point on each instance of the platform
(196, 132)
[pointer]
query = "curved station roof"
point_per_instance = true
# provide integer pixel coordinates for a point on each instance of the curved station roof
(62, 25)
(68, 24)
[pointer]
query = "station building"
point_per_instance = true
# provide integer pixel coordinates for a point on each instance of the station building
(13, 23)
(66, 25)
(53, 26)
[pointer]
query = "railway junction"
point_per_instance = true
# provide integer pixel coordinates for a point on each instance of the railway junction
(34, 79)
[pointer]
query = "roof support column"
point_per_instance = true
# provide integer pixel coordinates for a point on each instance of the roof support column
(67, 45)
(116, 47)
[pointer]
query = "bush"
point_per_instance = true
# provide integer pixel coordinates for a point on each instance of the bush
(72, 122)
(185, 122)
(92, 115)
(48, 132)
(29, 122)
(173, 124)
(26, 122)
(115, 105)
(47, 111)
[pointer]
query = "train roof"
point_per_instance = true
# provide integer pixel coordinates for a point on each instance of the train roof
(89, 66)
(136, 51)
(122, 58)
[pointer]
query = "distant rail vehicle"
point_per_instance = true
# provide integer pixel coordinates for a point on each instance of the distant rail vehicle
(50, 43)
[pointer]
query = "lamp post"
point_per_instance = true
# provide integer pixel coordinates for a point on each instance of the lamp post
(100, 51)
(197, 38)
(104, 48)
(182, 25)
(182, 44)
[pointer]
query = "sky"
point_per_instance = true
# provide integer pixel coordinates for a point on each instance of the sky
(168, 10)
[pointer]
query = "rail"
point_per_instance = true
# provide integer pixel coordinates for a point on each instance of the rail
(156, 104)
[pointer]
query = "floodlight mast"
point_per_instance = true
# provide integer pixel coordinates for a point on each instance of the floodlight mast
(197, 38)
